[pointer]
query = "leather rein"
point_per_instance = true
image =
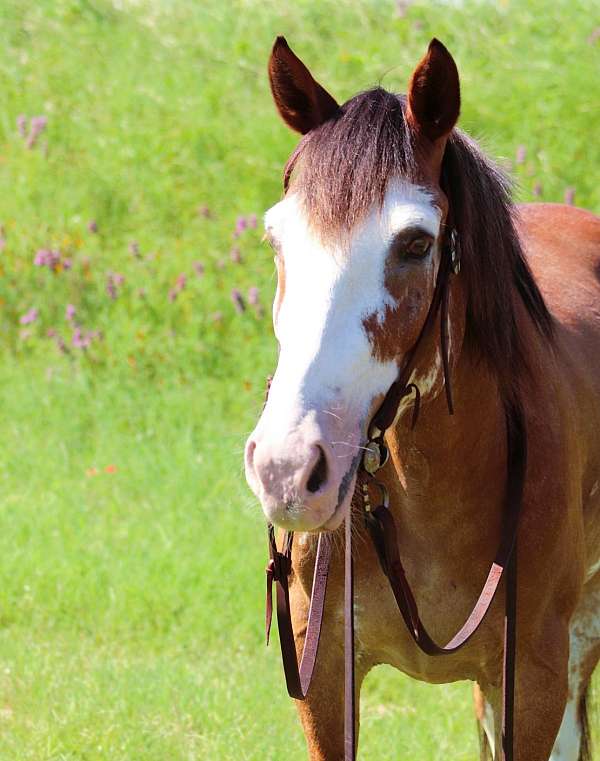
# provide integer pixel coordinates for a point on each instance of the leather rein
(382, 529)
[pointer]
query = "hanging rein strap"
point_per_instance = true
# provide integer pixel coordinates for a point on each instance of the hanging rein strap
(382, 530)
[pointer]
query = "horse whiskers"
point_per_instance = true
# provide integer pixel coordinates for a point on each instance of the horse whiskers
(329, 412)
(348, 444)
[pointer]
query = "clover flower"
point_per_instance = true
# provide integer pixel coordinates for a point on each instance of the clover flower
(70, 312)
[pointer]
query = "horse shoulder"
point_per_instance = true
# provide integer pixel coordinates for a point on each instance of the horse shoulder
(562, 244)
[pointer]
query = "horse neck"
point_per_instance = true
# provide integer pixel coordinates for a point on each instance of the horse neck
(452, 466)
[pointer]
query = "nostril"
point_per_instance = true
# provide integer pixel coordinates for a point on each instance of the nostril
(319, 473)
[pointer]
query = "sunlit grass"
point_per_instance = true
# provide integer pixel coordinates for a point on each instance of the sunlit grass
(131, 553)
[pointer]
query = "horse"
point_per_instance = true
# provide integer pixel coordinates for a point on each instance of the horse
(370, 194)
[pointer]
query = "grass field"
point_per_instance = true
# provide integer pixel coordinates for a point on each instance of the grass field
(131, 553)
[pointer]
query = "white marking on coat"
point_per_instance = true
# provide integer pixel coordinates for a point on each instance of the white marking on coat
(325, 352)
(584, 635)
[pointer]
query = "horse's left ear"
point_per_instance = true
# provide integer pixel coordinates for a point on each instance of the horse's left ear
(434, 93)
(301, 101)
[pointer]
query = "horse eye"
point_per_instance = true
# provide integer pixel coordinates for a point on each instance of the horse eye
(419, 248)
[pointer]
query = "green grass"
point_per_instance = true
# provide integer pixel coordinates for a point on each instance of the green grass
(131, 601)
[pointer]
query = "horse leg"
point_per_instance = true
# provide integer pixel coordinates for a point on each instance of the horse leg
(541, 687)
(322, 711)
(572, 742)
(322, 715)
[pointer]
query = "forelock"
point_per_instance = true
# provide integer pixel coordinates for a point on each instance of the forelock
(342, 169)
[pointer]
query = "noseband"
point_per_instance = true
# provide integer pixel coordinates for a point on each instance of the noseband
(382, 529)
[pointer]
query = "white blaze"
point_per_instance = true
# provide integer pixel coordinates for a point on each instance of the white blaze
(326, 356)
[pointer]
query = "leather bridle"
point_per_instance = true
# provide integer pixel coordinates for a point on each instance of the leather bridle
(382, 529)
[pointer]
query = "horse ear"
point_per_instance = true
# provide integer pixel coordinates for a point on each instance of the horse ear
(434, 93)
(301, 101)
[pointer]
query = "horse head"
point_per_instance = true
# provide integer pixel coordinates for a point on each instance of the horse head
(357, 239)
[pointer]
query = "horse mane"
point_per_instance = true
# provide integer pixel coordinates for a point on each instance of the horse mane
(342, 168)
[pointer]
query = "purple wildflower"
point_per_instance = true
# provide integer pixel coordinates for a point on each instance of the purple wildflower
(111, 286)
(70, 312)
(252, 221)
(92, 226)
(79, 340)
(30, 316)
(22, 125)
(537, 189)
(205, 212)
(570, 196)
(198, 268)
(118, 279)
(521, 154)
(216, 316)
(179, 286)
(36, 127)
(47, 257)
(235, 255)
(134, 249)
(238, 301)
(241, 224)
(50, 258)
(254, 300)
(67, 263)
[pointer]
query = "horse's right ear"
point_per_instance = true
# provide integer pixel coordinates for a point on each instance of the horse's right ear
(301, 101)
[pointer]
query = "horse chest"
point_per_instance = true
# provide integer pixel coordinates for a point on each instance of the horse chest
(444, 600)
